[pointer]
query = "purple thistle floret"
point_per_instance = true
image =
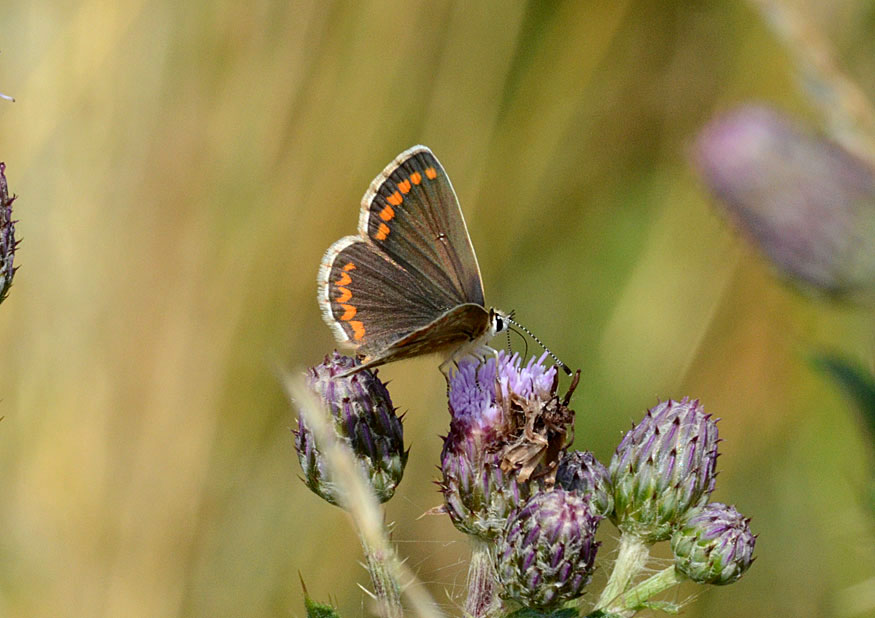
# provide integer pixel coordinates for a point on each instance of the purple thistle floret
(662, 468)
(532, 381)
(364, 419)
(715, 545)
(8, 244)
(546, 551)
(477, 391)
(484, 449)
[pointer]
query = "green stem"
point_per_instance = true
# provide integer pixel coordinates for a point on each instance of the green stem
(482, 601)
(649, 588)
(386, 589)
(631, 558)
(630, 602)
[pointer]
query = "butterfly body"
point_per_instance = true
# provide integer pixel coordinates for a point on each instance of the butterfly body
(408, 284)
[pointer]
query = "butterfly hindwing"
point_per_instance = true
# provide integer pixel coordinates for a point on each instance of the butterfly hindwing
(370, 301)
(411, 212)
(454, 329)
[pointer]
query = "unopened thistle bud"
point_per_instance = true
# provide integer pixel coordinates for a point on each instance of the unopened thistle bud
(546, 551)
(806, 202)
(363, 418)
(7, 236)
(714, 545)
(581, 473)
(663, 467)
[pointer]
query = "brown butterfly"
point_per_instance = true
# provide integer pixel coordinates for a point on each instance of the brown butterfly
(408, 283)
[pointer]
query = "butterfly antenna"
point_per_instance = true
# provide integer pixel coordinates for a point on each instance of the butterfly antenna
(540, 343)
(510, 330)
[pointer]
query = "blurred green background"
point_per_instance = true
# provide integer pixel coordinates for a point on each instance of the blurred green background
(181, 167)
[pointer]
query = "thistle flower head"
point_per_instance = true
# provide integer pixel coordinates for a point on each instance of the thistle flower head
(806, 202)
(490, 462)
(663, 467)
(584, 475)
(546, 551)
(7, 236)
(364, 419)
(714, 545)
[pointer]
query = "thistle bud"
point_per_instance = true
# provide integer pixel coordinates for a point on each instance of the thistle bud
(806, 202)
(478, 494)
(714, 545)
(8, 243)
(364, 419)
(663, 467)
(546, 551)
(581, 473)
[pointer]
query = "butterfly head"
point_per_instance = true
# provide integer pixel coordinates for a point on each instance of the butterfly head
(498, 322)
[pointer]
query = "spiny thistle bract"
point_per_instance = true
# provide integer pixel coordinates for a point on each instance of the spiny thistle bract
(663, 467)
(714, 545)
(546, 551)
(364, 419)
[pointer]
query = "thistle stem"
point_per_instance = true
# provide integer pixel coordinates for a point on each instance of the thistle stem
(632, 556)
(386, 569)
(482, 601)
(386, 588)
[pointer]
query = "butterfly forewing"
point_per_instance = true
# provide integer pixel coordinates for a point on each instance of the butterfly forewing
(369, 300)
(412, 214)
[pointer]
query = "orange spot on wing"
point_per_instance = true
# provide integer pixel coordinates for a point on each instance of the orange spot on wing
(430, 173)
(415, 178)
(395, 199)
(404, 186)
(358, 330)
(387, 213)
(349, 266)
(345, 295)
(382, 232)
(345, 279)
(349, 312)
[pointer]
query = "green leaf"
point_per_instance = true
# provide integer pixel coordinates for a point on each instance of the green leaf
(526, 612)
(315, 609)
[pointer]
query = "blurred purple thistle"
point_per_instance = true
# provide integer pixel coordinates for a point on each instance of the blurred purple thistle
(805, 201)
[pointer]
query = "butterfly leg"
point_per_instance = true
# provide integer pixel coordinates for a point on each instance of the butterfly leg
(483, 353)
(447, 366)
